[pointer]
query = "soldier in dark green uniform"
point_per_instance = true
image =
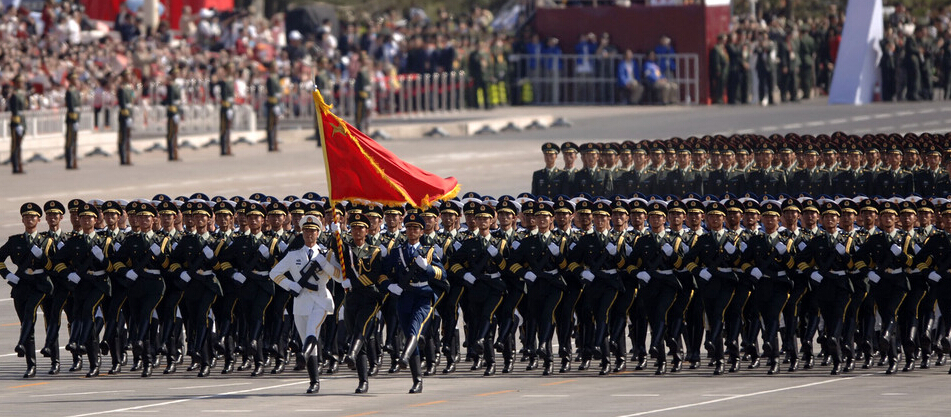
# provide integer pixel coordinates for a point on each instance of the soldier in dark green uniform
(126, 97)
(225, 85)
(363, 87)
(548, 181)
(807, 64)
(172, 103)
(719, 70)
(591, 179)
(73, 102)
(17, 103)
(322, 82)
(273, 106)
(479, 61)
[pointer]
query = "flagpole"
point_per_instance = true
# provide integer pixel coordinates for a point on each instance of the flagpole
(321, 106)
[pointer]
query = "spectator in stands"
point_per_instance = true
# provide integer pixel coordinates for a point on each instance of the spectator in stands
(628, 79)
(665, 50)
(661, 90)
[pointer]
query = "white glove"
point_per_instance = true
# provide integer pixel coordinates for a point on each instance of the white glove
(322, 260)
(840, 249)
(263, 250)
(611, 248)
(729, 248)
(383, 251)
(281, 246)
(756, 273)
(73, 277)
(334, 227)
(916, 248)
(781, 248)
(75, 127)
(644, 276)
(12, 278)
(421, 262)
(873, 276)
(492, 250)
(469, 277)
(276, 110)
(208, 252)
(934, 276)
(395, 289)
(128, 122)
(19, 130)
(97, 252)
(177, 119)
(156, 249)
(895, 249)
(36, 251)
(553, 248)
(116, 246)
(816, 276)
(346, 284)
(185, 277)
(131, 275)
(239, 277)
(516, 244)
(705, 274)
(668, 250)
(229, 114)
(530, 276)
(743, 246)
(802, 245)
(587, 275)
(628, 249)
(294, 287)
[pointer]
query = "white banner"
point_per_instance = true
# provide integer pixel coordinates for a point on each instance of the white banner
(856, 66)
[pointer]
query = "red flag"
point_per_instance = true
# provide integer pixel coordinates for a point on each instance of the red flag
(358, 168)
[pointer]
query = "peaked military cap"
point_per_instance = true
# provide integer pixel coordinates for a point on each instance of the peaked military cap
(54, 207)
(414, 219)
(31, 209)
(359, 219)
(549, 147)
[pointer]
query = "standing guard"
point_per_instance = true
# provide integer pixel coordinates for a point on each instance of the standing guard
(17, 104)
(172, 103)
(273, 106)
(125, 97)
(226, 112)
(73, 103)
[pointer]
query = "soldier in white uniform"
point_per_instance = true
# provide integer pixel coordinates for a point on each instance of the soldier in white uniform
(305, 273)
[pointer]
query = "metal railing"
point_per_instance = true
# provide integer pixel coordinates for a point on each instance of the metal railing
(592, 79)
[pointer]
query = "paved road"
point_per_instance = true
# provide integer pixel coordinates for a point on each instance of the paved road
(489, 164)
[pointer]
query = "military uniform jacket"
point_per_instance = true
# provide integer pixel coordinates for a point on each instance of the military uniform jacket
(811, 181)
(547, 182)
(76, 256)
(531, 252)
(253, 256)
(648, 253)
(296, 266)
(889, 182)
(681, 181)
(878, 254)
(226, 92)
(16, 105)
(401, 268)
(72, 105)
(125, 97)
(273, 90)
(822, 254)
(136, 253)
(31, 254)
(926, 180)
(773, 254)
(596, 182)
(173, 98)
(191, 254)
(363, 266)
(718, 252)
(627, 183)
(602, 253)
(473, 257)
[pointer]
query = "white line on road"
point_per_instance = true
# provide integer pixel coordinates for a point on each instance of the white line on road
(931, 123)
(769, 128)
(213, 386)
(861, 118)
(883, 115)
(793, 126)
(718, 400)
(905, 113)
(926, 111)
(201, 397)
(7, 355)
(635, 395)
(325, 410)
(226, 411)
(816, 123)
(908, 125)
(886, 128)
(894, 393)
(837, 121)
(64, 394)
(6, 299)
(544, 395)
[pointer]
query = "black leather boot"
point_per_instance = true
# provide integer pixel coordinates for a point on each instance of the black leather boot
(414, 365)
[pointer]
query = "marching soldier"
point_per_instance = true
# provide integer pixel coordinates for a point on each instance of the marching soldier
(225, 86)
(31, 284)
(592, 179)
(17, 104)
(54, 304)
(410, 269)
(126, 99)
(83, 262)
(172, 103)
(305, 273)
(138, 266)
(273, 106)
(115, 314)
(73, 104)
(548, 181)
(479, 263)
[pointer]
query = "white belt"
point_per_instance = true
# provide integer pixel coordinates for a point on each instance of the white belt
(96, 273)
(552, 272)
(781, 274)
(419, 284)
(665, 272)
(260, 273)
(893, 271)
(34, 271)
(914, 271)
(725, 269)
(495, 275)
(610, 271)
(205, 273)
(838, 273)
(152, 271)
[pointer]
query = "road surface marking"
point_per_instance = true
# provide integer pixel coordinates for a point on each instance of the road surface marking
(681, 407)
(429, 403)
(635, 395)
(544, 395)
(363, 414)
(837, 121)
(495, 393)
(884, 115)
(817, 123)
(29, 385)
(559, 382)
(861, 118)
(212, 386)
(793, 126)
(63, 394)
(905, 113)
